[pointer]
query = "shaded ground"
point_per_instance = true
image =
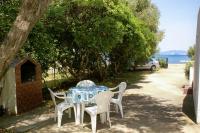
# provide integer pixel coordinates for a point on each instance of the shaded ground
(153, 104)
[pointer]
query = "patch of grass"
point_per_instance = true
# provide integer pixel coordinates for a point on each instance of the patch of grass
(6, 130)
(64, 84)
(128, 77)
(54, 83)
(59, 85)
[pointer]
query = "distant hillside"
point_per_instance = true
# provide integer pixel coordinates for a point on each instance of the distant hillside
(173, 52)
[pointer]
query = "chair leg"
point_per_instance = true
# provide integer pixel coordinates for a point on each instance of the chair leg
(103, 118)
(108, 118)
(74, 112)
(59, 118)
(116, 108)
(93, 122)
(55, 114)
(69, 113)
(121, 110)
(78, 113)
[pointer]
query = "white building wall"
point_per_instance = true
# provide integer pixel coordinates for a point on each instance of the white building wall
(191, 75)
(196, 92)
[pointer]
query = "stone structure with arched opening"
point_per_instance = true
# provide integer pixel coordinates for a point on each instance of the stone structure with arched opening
(22, 86)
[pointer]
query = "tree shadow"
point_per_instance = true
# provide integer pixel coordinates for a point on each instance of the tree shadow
(147, 114)
(131, 78)
(141, 114)
(7, 121)
(37, 119)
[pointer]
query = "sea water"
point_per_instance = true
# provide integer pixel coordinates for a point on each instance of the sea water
(175, 59)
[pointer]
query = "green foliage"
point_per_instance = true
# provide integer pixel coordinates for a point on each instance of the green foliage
(187, 68)
(89, 32)
(90, 38)
(2, 130)
(8, 13)
(39, 43)
(142, 5)
(191, 52)
(92, 30)
(143, 36)
(163, 63)
(41, 47)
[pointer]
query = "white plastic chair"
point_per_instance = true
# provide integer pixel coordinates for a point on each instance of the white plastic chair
(59, 108)
(102, 106)
(118, 101)
(85, 83)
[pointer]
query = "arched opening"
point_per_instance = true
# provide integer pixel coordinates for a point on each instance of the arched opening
(28, 72)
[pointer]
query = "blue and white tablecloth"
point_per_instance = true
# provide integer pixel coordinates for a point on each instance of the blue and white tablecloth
(83, 94)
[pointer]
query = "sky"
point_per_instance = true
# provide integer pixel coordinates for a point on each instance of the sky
(178, 19)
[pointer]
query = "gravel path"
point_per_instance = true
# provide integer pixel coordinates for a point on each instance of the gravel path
(155, 104)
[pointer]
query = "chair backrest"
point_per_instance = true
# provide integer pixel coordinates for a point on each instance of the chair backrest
(103, 101)
(52, 96)
(85, 83)
(122, 87)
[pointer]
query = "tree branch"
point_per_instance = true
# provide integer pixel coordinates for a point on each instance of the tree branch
(30, 12)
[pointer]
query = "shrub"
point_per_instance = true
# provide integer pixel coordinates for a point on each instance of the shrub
(2, 130)
(187, 68)
(163, 63)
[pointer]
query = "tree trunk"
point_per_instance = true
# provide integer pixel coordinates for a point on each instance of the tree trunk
(30, 12)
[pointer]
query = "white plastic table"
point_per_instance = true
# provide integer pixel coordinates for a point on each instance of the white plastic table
(82, 95)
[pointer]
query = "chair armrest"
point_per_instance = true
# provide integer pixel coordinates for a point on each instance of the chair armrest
(60, 95)
(116, 92)
(110, 89)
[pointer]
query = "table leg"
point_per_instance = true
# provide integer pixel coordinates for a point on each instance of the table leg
(82, 112)
(78, 117)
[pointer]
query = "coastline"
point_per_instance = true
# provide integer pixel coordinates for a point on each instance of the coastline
(174, 59)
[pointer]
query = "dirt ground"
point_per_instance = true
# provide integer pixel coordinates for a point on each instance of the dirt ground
(155, 104)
